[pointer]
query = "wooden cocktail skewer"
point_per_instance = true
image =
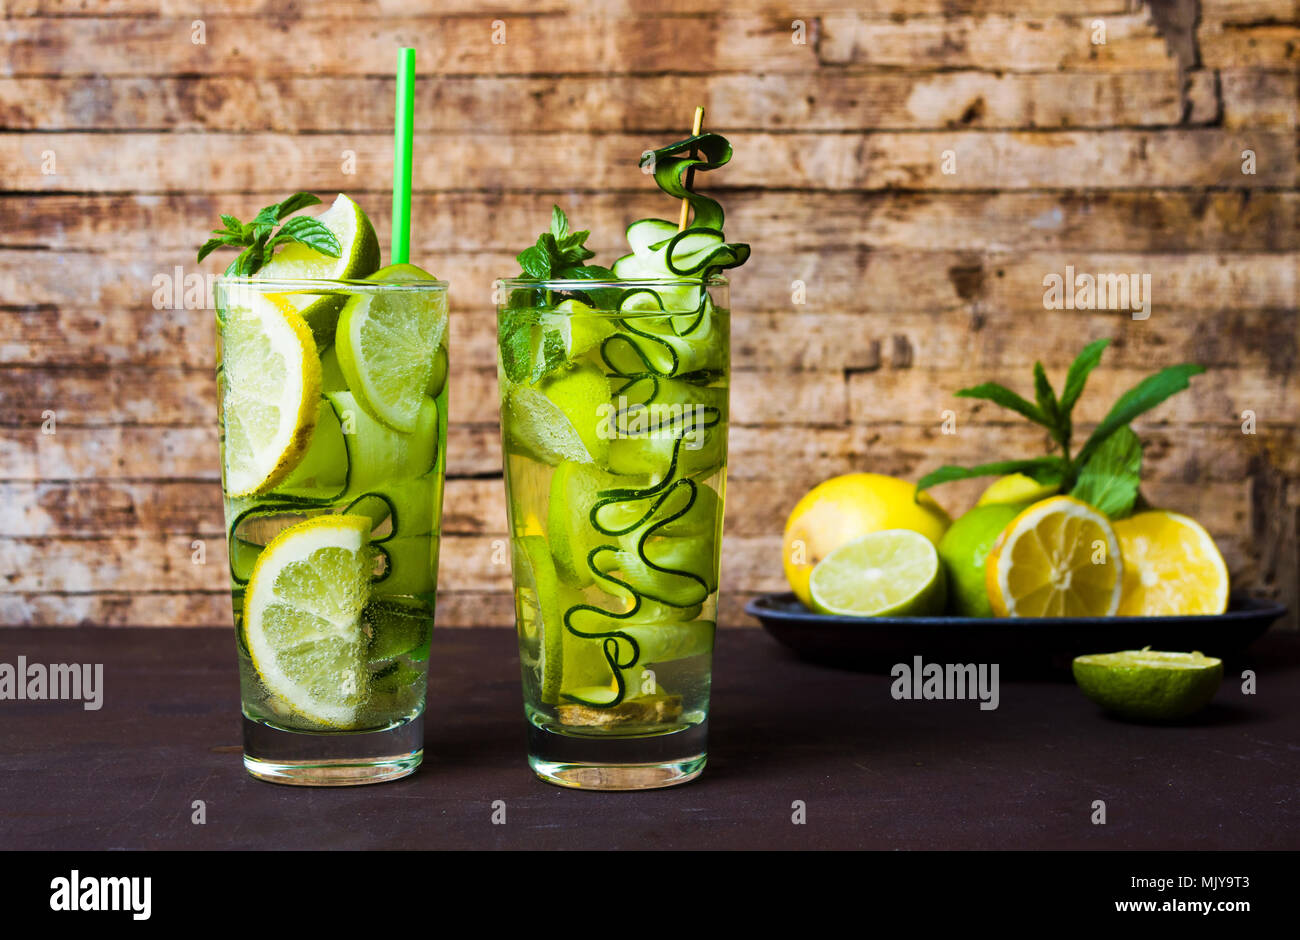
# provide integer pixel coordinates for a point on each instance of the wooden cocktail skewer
(690, 174)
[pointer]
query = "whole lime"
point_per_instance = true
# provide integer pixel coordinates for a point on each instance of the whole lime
(965, 547)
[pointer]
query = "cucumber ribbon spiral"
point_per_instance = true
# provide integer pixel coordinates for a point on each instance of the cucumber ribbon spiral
(664, 535)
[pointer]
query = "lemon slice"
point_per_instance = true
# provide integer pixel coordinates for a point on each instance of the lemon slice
(893, 572)
(387, 347)
(1149, 684)
(1171, 567)
(1058, 558)
(303, 617)
(270, 401)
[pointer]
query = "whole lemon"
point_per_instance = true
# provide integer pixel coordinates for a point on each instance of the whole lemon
(847, 507)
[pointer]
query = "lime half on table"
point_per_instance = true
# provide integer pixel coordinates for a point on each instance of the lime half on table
(303, 619)
(1148, 684)
(890, 573)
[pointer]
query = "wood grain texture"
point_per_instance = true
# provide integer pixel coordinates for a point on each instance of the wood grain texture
(126, 132)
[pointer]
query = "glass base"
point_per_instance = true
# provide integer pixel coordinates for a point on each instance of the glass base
(332, 760)
(606, 762)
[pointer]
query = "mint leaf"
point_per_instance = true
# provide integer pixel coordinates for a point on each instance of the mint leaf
(294, 203)
(1138, 400)
(516, 337)
(535, 262)
(211, 245)
(1001, 395)
(311, 232)
(1047, 404)
(559, 223)
(1041, 469)
(552, 354)
(1077, 377)
(1109, 480)
(232, 224)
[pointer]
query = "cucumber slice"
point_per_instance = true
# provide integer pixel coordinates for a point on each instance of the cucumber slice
(410, 565)
(396, 629)
(377, 454)
(322, 475)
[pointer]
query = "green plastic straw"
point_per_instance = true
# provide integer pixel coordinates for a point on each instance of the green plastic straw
(403, 121)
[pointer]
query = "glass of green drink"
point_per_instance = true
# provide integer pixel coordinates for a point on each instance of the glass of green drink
(333, 417)
(615, 448)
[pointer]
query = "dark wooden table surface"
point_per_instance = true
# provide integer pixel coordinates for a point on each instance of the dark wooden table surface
(872, 772)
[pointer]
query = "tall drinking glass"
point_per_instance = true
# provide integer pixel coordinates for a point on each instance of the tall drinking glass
(614, 401)
(333, 420)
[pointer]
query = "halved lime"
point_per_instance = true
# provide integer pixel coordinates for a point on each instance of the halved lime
(387, 345)
(563, 418)
(538, 614)
(271, 392)
(1148, 684)
(358, 258)
(303, 617)
(893, 572)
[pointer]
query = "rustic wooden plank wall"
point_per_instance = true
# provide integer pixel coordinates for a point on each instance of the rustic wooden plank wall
(129, 124)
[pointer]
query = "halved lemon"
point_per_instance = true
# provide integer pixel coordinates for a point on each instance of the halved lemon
(1058, 558)
(1171, 567)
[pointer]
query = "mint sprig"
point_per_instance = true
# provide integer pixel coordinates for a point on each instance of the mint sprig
(259, 238)
(558, 254)
(1107, 469)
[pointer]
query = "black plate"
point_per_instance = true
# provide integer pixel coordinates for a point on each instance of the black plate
(1018, 644)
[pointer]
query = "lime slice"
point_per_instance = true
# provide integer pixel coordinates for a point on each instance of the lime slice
(387, 345)
(1148, 684)
(303, 617)
(356, 236)
(358, 258)
(537, 611)
(270, 392)
(893, 572)
(574, 491)
(579, 326)
(564, 418)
